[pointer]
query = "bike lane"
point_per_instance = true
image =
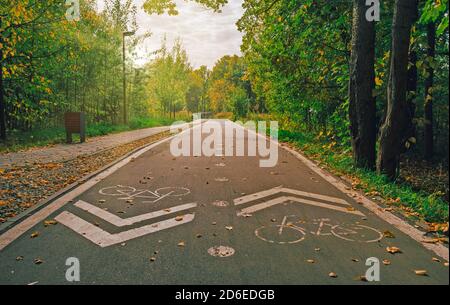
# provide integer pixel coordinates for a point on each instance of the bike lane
(215, 220)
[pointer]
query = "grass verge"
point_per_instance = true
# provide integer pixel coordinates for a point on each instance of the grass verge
(19, 140)
(414, 204)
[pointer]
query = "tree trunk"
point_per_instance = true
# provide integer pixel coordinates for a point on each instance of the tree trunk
(411, 90)
(394, 132)
(362, 108)
(428, 111)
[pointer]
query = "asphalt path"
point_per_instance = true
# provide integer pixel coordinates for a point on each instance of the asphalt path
(161, 219)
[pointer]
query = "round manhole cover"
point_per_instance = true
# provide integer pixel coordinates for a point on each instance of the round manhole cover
(221, 251)
(220, 203)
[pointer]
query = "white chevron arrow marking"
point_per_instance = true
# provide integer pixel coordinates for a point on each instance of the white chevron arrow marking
(283, 199)
(120, 222)
(342, 205)
(280, 189)
(105, 239)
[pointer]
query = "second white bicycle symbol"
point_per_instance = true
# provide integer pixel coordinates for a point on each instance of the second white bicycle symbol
(148, 196)
(289, 232)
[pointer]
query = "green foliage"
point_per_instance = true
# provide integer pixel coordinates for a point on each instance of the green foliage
(169, 6)
(436, 11)
(51, 65)
(339, 160)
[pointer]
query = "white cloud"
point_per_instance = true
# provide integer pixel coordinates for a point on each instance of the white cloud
(206, 36)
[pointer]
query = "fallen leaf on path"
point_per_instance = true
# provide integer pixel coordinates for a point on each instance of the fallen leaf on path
(222, 179)
(435, 259)
(388, 234)
(393, 250)
(351, 209)
(179, 218)
(102, 201)
(50, 223)
(420, 272)
(362, 278)
(435, 241)
(38, 261)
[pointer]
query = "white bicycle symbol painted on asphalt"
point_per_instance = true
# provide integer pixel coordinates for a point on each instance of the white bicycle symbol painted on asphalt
(294, 232)
(131, 193)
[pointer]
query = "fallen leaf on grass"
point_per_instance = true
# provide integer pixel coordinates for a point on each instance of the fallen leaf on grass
(311, 261)
(386, 262)
(19, 258)
(332, 274)
(152, 259)
(393, 250)
(355, 260)
(181, 244)
(34, 234)
(229, 228)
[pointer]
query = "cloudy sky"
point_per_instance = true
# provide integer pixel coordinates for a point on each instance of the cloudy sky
(206, 36)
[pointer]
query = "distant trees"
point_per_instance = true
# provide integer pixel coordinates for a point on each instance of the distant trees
(170, 79)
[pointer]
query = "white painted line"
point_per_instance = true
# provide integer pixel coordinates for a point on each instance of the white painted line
(283, 199)
(390, 218)
(19, 229)
(280, 189)
(105, 239)
(120, 222)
